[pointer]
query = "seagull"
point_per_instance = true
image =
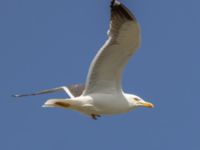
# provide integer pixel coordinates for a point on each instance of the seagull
(102, 93)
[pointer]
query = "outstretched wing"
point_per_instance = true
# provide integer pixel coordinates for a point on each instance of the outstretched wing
(72, 90)
(124, 38)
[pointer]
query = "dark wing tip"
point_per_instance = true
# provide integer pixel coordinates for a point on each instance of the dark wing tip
(118, 8)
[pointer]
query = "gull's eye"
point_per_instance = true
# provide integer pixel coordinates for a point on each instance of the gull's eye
(137, 99)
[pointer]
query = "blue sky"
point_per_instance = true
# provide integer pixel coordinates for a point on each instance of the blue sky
(49, 43)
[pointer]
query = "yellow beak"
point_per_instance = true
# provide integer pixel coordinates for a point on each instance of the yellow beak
(147, 104)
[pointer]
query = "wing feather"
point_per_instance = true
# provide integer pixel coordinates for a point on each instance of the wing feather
(72, 90)
(123, 39)
(76, 90)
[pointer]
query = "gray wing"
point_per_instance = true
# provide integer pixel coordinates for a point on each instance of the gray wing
(104, 74)
(76, 90)
(72, 90)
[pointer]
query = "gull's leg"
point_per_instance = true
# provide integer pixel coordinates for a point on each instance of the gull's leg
(95, 116)
(98, 116)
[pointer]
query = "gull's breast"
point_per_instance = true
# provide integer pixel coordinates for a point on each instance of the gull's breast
(110, 103)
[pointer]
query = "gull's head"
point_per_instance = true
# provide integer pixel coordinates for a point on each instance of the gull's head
(136, 101)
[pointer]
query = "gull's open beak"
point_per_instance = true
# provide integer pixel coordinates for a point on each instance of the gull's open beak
(147, 104)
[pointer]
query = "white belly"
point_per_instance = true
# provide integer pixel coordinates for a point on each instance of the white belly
(109, 104)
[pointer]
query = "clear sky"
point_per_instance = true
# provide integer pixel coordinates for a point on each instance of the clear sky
(49, 43)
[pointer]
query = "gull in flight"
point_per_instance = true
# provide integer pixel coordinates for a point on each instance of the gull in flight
(102, 94)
